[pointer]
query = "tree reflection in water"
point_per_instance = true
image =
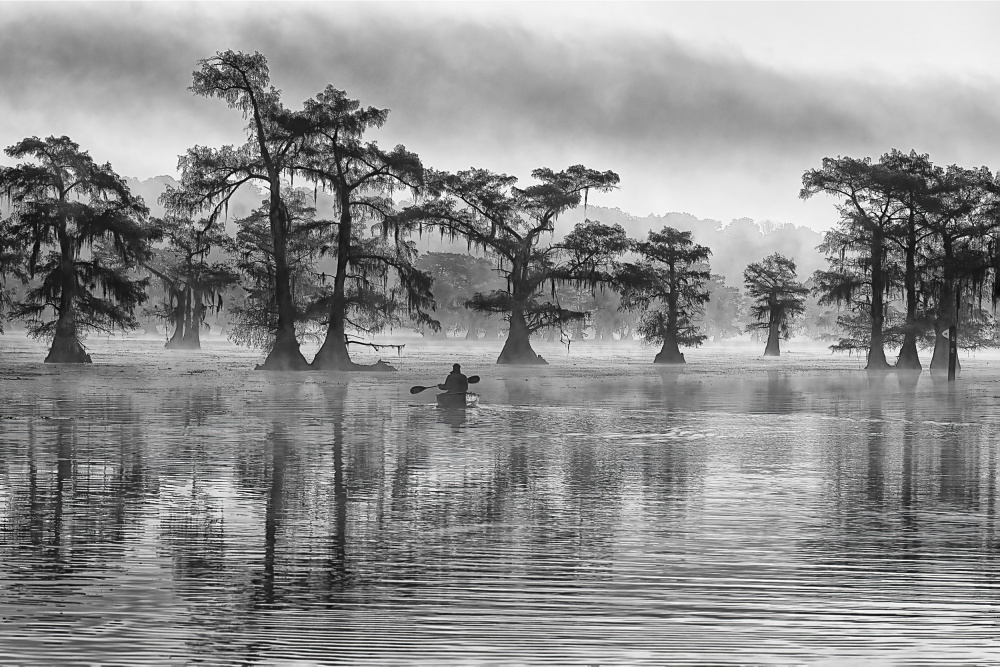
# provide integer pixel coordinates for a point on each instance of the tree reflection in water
(266, 521)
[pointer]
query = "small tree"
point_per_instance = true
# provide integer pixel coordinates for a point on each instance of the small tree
(193, 286)
(776, 297)
(725, 311)
(11, 265)
(670, 283)
(507, 223)
(85, 231)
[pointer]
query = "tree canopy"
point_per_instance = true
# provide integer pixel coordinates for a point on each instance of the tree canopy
(210, 176)
(374, 283)
(507, 223)
(669, 283)
(84, 231)
(776, 297)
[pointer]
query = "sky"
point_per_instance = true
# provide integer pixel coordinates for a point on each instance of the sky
(710, 108)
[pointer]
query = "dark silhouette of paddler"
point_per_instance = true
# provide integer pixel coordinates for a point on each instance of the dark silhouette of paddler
(455, 383)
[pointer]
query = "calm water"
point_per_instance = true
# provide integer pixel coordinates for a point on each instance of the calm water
(182, 509)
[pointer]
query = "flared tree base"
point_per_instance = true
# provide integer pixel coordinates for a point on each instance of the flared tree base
(183, 344)
(908, 359)
(877, 361)
(669, 357)
(286, 357)
(669, 353)
(518, 352)
(939, 361)
(67, 350)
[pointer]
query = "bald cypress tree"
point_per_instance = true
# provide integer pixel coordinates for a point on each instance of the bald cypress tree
(961, 212)
(509, 223)
(776, 297)
(193, 285)
(211, 176)
(872, 203)
(669, 284)
(84, 231)
(374, 283)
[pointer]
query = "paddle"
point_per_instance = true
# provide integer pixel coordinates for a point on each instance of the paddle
(417, 389)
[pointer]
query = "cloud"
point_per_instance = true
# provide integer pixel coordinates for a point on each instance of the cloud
(687, 127)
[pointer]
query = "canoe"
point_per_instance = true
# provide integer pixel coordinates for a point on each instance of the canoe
(458, 401)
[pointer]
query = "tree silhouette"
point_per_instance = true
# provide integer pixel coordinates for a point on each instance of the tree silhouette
(193, 286)
(871, 205)
(85, 231)
(507, 223)
(915, 172)
(776, 298)
(11, 266)
(375, 283)
(961, 211)
(256, 319)
(210, 176)
(669, 282)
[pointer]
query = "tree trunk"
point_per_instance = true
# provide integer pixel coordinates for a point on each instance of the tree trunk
(773, 336)
(947, 316)
(876, 351)
(670, 353)
(193, 335)
(517, 348)
(908, 357)
(285, 354)
(66, 347)
(180, 316)
(187, 321)
(333, 354)
(939, 361)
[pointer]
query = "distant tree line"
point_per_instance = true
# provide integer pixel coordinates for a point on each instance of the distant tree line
(912, 262)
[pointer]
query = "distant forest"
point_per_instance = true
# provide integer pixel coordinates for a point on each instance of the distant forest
(310, 230)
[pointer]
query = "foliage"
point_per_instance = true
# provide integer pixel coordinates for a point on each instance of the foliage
(507, 223)
(457, 277)
(776, 295)
(669, 283)
(255, 320)
(192, 285)
(724, 311)
(375, 283)
(84, 231)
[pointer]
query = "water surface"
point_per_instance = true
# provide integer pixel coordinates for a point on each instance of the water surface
(180, 508)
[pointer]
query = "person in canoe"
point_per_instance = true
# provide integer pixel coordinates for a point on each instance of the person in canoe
(455, 383)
